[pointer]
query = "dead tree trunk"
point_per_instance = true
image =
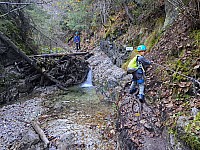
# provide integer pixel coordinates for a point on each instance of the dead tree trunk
(30, 61)
(40, 132)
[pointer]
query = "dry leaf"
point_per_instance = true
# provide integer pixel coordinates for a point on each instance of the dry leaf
(137, 114)
(169, 105)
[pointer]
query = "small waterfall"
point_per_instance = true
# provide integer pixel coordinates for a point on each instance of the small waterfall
(88, 82)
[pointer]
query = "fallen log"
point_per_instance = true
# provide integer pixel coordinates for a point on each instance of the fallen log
(14, 47)
(30, 61)
(60, 54)
(40, 132)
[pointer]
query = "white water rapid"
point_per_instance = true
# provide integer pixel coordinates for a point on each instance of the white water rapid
(88, 82)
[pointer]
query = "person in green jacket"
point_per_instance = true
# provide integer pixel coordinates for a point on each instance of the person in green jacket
(137, 67)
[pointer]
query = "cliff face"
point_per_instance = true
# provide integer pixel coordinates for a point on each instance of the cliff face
(171, 35)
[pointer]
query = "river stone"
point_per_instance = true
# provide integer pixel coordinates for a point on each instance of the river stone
(194, 111)
(182, 121)
(29, 138)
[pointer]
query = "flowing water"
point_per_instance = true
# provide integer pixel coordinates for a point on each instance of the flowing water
(72, 120)
(88, 82)
(77, 119)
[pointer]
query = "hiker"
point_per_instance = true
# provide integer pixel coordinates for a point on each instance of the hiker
(77, 41)
(137, 67)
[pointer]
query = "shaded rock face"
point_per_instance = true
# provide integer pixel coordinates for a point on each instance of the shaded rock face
(171, 13)
(116, 53)
(108, 78)
(7, 55)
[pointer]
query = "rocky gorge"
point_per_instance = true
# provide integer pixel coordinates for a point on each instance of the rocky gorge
(109, 117)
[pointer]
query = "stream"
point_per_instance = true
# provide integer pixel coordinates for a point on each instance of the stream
(77, 119)
(72, 119)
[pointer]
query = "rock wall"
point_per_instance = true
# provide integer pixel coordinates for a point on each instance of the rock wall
(171, 13)
(117, 53)
(7, 55)
(135, 130)
(108, 78)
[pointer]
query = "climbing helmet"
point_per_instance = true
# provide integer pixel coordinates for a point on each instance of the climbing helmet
(141, 48)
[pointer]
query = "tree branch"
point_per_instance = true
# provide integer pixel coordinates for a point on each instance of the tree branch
(13, 10)
(30, 3)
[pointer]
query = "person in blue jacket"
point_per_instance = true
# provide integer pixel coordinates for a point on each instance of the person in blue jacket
(137, 68)
(77, 41)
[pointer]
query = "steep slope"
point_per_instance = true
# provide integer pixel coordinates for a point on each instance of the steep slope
(172, 83)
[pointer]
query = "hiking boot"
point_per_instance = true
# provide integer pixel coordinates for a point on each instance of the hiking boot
(141, 98)
(133, 90)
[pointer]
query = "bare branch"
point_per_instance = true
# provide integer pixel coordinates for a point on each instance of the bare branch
(12, 3)
(13, 10)
(179, 5)
(18, 8)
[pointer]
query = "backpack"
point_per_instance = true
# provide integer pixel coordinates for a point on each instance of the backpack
(133, 65)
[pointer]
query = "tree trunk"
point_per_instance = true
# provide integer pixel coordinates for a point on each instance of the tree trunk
(40, 132)
(30, 61)
(127, 12)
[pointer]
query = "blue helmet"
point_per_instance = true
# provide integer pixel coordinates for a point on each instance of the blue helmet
(141, 48)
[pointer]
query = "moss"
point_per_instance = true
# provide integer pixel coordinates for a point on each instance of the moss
(12, 31)
(196, 35)
(194, 126)
(7, 26)
(183, 66)
(192, 131)
(192, 141)
(136, 40)
(154, 37)
(186, 2)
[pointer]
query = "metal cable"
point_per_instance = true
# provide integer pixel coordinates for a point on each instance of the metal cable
(188, 77)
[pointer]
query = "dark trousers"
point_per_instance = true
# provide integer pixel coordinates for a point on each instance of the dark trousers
(78, 46)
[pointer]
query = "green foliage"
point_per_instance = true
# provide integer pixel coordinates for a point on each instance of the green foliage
(42, 20)
(196, 35)
(46, 50)
(77, 16)
(192, 130)
(39, 16)
(156, 34)
(7, 26)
